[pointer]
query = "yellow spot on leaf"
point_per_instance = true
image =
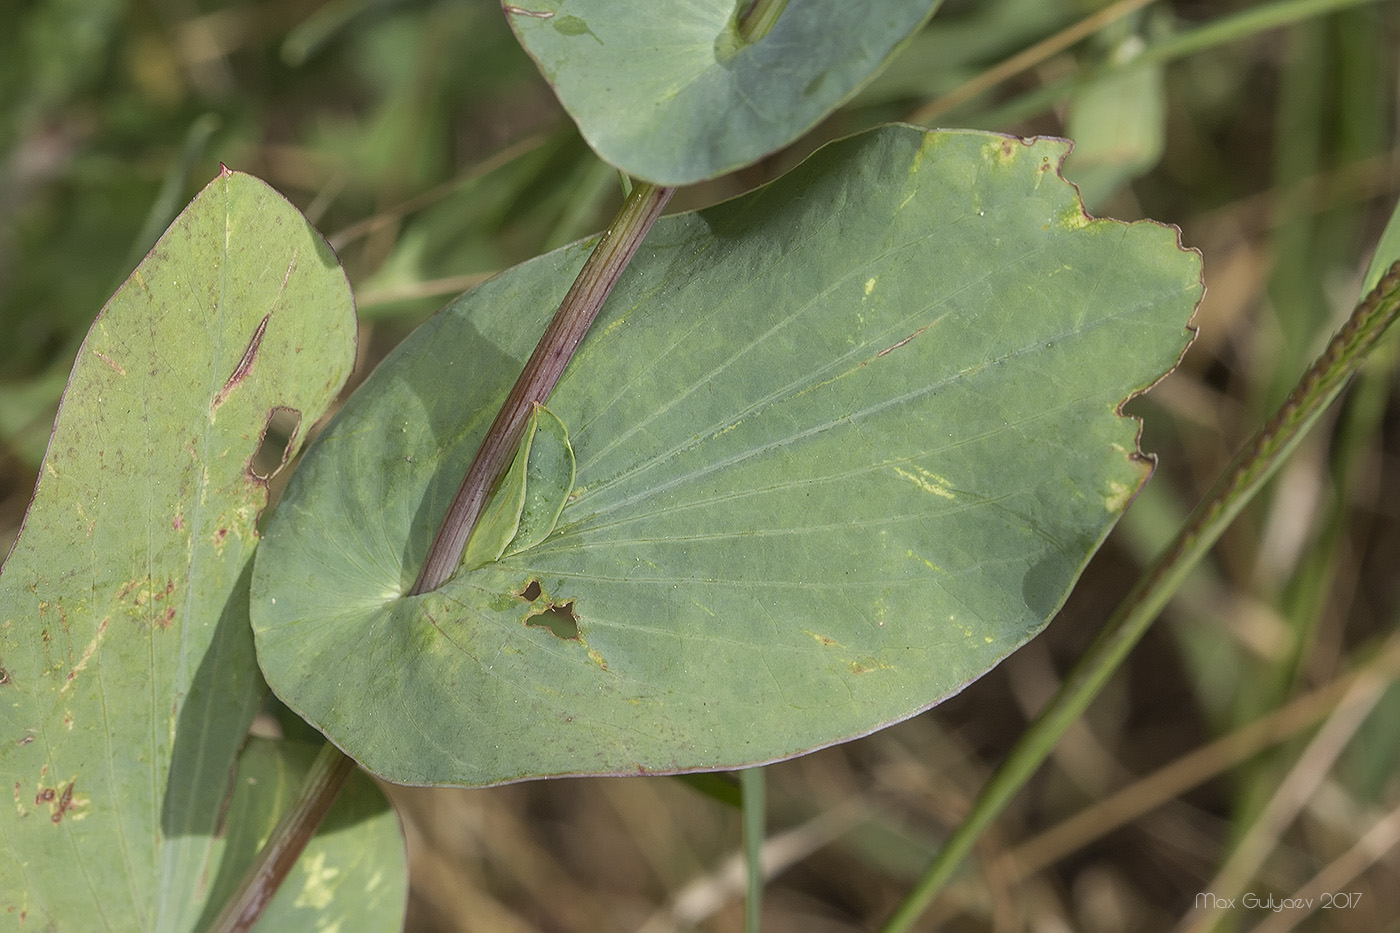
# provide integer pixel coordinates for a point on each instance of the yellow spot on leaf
(928, 482)
(319, 889)
(926, 562)
(869, 286)
(1117, 498)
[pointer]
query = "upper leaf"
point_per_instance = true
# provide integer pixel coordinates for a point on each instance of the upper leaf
(842, 444)
(669, 92)
(128, 678)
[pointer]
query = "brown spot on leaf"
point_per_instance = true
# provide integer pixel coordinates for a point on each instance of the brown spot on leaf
(65, 802)
(895, 346)
(245, 365)
(109, 361)
(163, 622)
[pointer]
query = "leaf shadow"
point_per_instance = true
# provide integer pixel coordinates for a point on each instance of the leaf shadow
(223, 699)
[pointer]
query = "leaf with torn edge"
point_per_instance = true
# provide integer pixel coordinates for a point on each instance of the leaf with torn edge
(842, 445)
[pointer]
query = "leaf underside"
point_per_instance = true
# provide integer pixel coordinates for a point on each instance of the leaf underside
(842, 445)
(697, 101)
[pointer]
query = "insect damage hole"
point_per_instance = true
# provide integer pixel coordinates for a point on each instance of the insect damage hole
(279, 434)
(560, 620)
(530, 592)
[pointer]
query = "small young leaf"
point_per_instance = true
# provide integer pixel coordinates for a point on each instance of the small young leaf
(501, 519)
(523, 510)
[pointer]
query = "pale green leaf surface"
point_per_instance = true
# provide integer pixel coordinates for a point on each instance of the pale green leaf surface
(842, 444)
(128, 670)
(667, 91)
(352, 876)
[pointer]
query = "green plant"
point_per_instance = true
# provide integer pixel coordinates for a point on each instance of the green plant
(831, 451)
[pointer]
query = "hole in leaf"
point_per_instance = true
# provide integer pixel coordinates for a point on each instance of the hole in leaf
(560, 620)
(278, 436)
(531, 592)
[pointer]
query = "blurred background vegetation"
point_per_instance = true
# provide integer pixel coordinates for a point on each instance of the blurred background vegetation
(1257, 730)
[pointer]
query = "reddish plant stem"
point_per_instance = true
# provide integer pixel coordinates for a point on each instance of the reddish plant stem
(539, 377)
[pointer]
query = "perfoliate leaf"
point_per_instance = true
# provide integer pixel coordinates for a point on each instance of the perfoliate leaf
(842, 445)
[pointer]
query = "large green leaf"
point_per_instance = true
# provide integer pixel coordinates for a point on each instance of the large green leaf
(128, 671)
(842, 444)
(667, 91)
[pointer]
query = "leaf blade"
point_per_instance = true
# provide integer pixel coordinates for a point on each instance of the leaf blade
(697, 100)
(124, 617)
(811, 432)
